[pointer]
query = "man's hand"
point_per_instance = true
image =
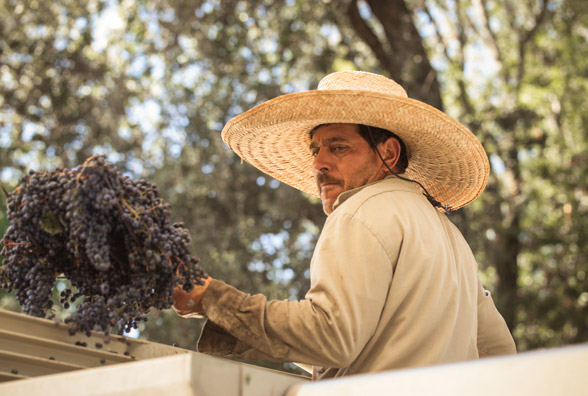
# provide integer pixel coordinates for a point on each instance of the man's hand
(190, 304)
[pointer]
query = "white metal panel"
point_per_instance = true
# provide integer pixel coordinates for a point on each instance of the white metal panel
(189, 374)
(39, 357)
(554, 372)
(31, 347)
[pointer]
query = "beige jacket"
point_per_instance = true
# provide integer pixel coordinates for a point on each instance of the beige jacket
(393, 285)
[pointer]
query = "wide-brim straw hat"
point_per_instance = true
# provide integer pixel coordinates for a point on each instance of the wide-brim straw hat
(444, 156)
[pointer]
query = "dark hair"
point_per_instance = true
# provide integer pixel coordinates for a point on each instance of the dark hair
(379, 135)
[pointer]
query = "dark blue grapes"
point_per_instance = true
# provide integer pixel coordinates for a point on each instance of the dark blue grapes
(109, 235)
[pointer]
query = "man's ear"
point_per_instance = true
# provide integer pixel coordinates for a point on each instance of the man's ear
(390, 150)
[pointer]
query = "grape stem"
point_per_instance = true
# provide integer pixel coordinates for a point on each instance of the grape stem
(4, 190)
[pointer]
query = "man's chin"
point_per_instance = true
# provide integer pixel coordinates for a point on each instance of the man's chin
(328, 209)
(328, 205)
(329, 195)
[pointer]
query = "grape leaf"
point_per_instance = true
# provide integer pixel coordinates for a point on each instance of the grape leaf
(50, 224)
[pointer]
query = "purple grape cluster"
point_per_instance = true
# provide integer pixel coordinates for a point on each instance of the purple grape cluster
(109, 235)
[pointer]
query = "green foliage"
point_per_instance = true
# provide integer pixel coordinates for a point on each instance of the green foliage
(525, 102)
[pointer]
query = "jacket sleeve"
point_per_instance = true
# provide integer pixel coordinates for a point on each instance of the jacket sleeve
(494, 337)
(329, 327)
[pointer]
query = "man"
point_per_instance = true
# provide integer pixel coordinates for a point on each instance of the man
(393, 282)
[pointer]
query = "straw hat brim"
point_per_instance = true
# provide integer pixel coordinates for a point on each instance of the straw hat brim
(444, 155)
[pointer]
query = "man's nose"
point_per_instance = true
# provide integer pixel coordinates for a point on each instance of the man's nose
(322, 162)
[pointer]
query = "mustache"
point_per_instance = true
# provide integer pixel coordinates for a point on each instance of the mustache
(325, 178)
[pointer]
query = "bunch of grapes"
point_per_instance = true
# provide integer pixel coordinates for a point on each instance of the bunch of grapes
(109, 235)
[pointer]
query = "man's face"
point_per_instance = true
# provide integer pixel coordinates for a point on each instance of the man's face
(343, 160)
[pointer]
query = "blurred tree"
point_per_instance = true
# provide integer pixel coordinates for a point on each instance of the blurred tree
(512, 74)
(150, 83)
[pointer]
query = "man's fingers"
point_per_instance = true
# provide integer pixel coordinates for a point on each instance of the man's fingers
(188, 304)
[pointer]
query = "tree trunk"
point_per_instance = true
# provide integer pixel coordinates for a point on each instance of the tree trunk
(402, 55)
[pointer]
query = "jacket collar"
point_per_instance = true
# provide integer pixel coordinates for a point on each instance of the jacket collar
(390, 180)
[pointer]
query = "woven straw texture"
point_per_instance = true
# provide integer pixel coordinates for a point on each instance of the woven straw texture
(443, 154)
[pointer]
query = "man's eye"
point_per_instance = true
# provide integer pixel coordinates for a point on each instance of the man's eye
(338, 149)
(314, 153)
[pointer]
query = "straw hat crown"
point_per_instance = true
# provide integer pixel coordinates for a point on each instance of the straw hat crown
(444, 156)
(361, 81)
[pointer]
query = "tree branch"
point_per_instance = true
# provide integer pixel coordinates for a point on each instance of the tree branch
(462, 39)
(494, 40)
(406, 52)
(511, 13)
(438, 36)
(526, 37)
(370, 38)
